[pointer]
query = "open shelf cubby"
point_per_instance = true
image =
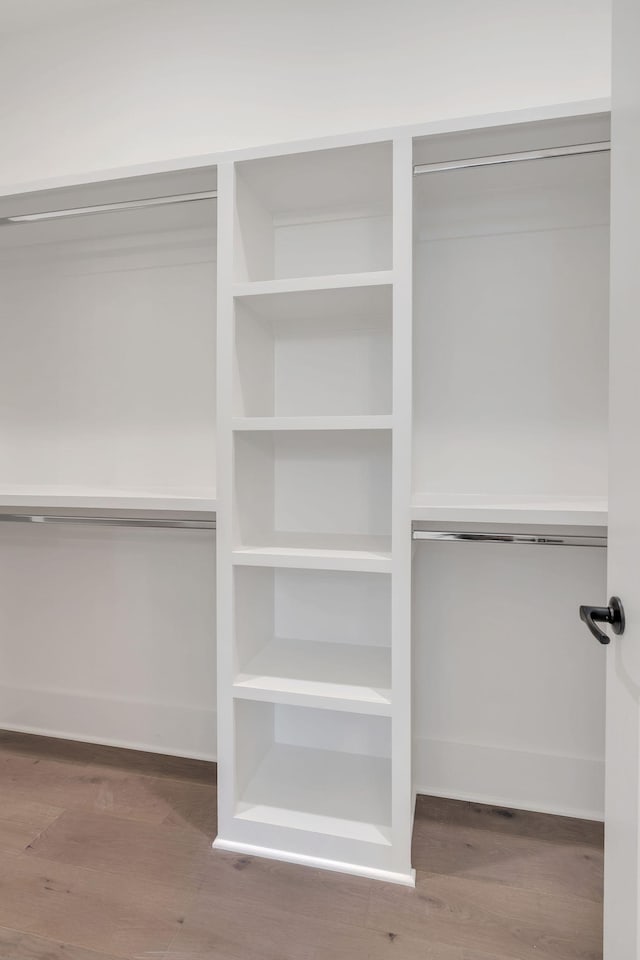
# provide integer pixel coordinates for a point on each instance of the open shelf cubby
(510, 336)
(314, 353)
(331, 778)
(318, 491)
(313, 636)
(318, 213)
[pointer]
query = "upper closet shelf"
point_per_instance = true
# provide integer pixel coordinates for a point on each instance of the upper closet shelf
(339, 281)
(88, 498)
(558, 511)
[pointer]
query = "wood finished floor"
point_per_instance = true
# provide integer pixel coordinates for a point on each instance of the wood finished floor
(106, 854)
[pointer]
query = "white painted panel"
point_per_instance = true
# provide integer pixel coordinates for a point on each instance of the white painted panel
(510, 331)
(333, 482)
(331, 606)
(106, 373)
(109, 635)
(622, 803)
(547, 782)
(506, 679)
(263, 72)
(351, 245)
(316, 353)
(344, 733)
(333, 369)
(323, 483)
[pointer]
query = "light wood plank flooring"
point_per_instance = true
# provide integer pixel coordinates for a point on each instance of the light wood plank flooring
(106, 854)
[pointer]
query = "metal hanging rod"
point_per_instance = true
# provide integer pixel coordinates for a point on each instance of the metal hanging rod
(433, 535)
(601, 146)
(547, 540)
(111, 521)
(418, 169)
(109, 207)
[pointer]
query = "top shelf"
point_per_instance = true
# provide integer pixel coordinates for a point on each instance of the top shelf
(315, 213)
(547, 510)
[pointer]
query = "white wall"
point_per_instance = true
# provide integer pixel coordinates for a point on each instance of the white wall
(108, 635)
(146, 80)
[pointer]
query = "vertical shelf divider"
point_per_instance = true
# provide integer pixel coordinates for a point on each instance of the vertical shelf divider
(224, 515)
(403, 795)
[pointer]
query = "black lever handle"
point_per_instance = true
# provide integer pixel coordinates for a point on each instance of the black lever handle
(613, 614)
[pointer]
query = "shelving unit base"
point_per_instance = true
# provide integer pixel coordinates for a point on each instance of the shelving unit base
(320, 863)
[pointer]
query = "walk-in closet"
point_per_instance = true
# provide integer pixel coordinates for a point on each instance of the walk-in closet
(364, 380)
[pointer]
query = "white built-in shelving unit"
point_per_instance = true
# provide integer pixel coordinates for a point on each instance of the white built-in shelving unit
(337, 349)
(313, 541)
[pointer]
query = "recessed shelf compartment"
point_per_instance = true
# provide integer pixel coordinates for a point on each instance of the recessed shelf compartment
(332, 778)
(307, 493)
(318, 213)
(315, 637)
(314, 353)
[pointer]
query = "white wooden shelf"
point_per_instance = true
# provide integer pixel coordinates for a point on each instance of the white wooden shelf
(323, 791)
(372, 422)
(87, 498)
(337, 281)
(337, 676)
(560, 511)
(358, 553)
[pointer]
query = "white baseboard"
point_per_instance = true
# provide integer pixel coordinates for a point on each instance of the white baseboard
(321, 863)
(546, 783)
(566, 786)
(169, 728)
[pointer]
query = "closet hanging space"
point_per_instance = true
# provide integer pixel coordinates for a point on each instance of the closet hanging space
(108, 339)
(107, 461)
(510, 462)
(510, 330)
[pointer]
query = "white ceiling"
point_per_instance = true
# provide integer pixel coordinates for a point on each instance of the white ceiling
(16, 15)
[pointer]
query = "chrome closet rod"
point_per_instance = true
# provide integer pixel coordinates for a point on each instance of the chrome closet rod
(111, 521)
(418, 169)
(442, 535)
(601, 146)
(109, 207)
(547, 539)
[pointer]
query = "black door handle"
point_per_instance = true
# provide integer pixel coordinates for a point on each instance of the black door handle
(613, 614)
